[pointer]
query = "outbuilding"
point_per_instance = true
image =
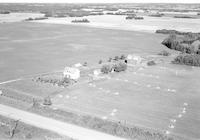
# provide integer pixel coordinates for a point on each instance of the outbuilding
(71, 73)
(134, 59)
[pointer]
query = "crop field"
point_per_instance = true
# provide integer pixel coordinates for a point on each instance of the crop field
(163, 97)
(33, 48)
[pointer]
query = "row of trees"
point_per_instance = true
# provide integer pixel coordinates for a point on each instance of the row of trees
(60, 82)
(116, 58)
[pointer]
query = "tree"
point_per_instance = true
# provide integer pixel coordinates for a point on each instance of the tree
(106, 69)
(120, 67)
(110, 59)
(100, 61)
(116, 58)
(123, 57)
(85, 64)
(171, 42)
(151, 63)
(164, 53)
(47, 101)
(13, 127)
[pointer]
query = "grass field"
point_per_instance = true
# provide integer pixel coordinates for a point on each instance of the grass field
(163, 97)
(154, 97)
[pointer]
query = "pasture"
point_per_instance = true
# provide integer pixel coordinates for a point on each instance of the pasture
(163, 97)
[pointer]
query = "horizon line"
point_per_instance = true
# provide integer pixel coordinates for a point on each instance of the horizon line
(95, 3)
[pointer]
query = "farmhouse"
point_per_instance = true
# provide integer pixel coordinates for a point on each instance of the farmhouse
(72, 73)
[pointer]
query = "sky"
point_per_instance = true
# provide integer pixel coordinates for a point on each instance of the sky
(99, 1)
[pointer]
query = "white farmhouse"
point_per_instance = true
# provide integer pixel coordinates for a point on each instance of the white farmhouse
(71, 73)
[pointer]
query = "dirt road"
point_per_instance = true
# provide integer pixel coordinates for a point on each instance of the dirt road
(59, 127)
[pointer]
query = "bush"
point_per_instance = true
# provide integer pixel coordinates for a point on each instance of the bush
(100, 61)
(151, 63)
(123, 57)
(187, 59)
(116, 58)
(110, 59)
(47, 101)
(164, 53)
(106, 69)
(120, 67)
(85, 64)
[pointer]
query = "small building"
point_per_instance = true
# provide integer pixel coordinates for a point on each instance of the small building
(134, 59)
(97, 72)
(71, 73)
(78, 65)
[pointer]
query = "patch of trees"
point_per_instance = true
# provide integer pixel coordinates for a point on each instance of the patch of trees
(165, 31)
(119, 67)
(187, 59)
(184, 16)
(37, 18)
(164, 53)
(117, 58)
(157, 15)
(80, 21)
(55, 81)
(5, 12)
(151, 63)
(116, 67)
(133, 16)
(187, 44)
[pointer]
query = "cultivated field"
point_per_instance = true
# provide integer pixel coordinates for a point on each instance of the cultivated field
(32, 48)
(163, 97)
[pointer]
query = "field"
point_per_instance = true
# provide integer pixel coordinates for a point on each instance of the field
(164, 97)
(154, 97)
(32, 48)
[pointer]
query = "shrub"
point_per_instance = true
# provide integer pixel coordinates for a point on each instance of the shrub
(66, 80)
(47, 101)
(120, 67)
(116, 58)
(123, 57)
(187, 59)
(100, 61)
(85, 64)
(151, 63)
(110, 59)
(164, 53)
(106, 69)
